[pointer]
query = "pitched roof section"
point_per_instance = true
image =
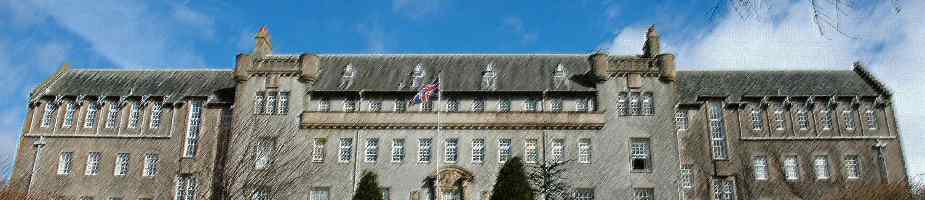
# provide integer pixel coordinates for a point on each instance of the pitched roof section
(735, 84)
(173, 83)
(461, 72)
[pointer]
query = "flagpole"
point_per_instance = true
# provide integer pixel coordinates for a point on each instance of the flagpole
(437, 107)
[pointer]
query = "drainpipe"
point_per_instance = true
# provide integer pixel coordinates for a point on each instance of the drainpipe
(39, 146)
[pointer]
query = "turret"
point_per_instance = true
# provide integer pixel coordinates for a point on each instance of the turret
(309, 64)
(652, 46)
(600, 63)
(666, 66)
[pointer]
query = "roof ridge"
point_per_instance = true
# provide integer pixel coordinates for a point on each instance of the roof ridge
(454, 54)
(773, 70)
(154, 69)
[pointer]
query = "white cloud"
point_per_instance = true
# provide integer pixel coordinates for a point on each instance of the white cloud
(131, 33)
(890, 43)
(417, 9)
(375, 36)
(516, 26)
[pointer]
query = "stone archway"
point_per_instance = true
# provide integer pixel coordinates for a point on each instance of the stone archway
(453, 183)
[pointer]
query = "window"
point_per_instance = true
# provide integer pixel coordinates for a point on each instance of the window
(531, 105)
(324, 105)
(634, 104)
(346, 150)
(69, 115)
(283, 103)
(584, 194)
(556, 105)
(558, 150)
(723, 189)
(350, 105)
(259, 105)
(318, 149)
(559, 77)
(760, 164)
(687, 179)
(779, 117)
(803, 119)
(424, 152)
(452, 105)
(401, 105)
(504, 105)
(680, 120)
(375, 106)
(648, 107)
(427, 106)
(93, 164)
(478, 150)
(504, 150)
(417, 76)
(192, 129)
(791, 168)
(346, 78)
(478, 105)
(271, 103)
(134, 115)
(155, 116)
(385, 193)
(319, 194)
(643, 193)
(757, 119)
(852, 167)
(870, 117)
(48, 115)
(530, 151)
(488, 77)
(821, 166)
(849, 119)
(372, 150)
(398, 150)
(826, 119)
(639, 154)
(264, 153)
(584, 150)
(581, 105)
(717, 132)
(112, 118)
(260, 194)
(86, 198)
(186, 187)
(92, 113)
(121, 164)
(64, 163)
(621, 104)
(450, 150)
(151, 160)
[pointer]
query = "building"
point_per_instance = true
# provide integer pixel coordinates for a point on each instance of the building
(307, 126)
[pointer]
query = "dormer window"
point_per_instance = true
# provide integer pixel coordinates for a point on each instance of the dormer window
(48, 115)
(401, 105)
(324, 105)
(350, 105)
(478, 105)
(871, 119)
(531, 105)
(452, 105)
(346, 78)
(559, 77)
(756, 119)
(417, 76)
(488, 77)
(779, 117)
(556, 105)
(375, 106)
(504, 105)
(648, 108)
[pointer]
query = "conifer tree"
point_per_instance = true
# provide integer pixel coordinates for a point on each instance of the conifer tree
(512, 183)
(368, 188)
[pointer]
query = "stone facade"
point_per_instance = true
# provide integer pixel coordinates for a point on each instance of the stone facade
(306, 127)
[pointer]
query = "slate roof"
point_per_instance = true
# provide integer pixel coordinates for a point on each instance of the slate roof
(173, 83)
(461, 72)
(735, 84)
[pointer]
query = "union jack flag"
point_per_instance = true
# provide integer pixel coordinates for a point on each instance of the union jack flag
(426, 92)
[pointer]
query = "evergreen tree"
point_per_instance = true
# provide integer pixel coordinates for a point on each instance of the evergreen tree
(512, 183)
(368, 188)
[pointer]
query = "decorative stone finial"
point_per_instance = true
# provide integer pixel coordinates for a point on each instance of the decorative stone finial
(652, 45)
(264, 43)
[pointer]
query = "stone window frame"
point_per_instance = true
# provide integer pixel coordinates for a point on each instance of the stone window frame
(556, 105)
(723, 188)
(371, 151)
(48, 115)
(134, 116)
(478, 150)
(505, 149)
(557, 151)
(791, 168)
(187, 186)
(757, 119)
(451, 150)
(374, 105)
(155, 118)
(852, 169)
(478, 104)
(828, 122)
(504, 105)
(318, 149)
(584, 193)
(65, 160)
(687, 177)
(193, 129)
(640, 152)
(718, 145)
(643, 193)
(761, 169)
(94, 160)
(531, 105)
(344, 150)
(121, 165)
(531, 151)
(113, 115)
(585, 150)
(350, 105)
(850, 119)
(452, 105)
(870, 119)
(150, 164)
(93, 112)
(822, 171)
(69, 114)
(283, 102)
(681, 120)
(803, 119)
(621, 106)
(315, 192)
(425, 150)
(398, 150)
(400, 105)
(779, 119)
(259, 104)
(647, 104)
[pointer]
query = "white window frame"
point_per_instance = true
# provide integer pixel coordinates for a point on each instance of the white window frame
(121, 165)
(186, 188)
(478, 150)
(64, 163)
(451, 150)
(779, 117)
(505, 149)
(584, 150)
(641, 149)
(156, 110)
(193, 128)
(372, 150)
(852, 167)
(345, 150)
(283, 107)
(259, 104)
(93, 163)
(48, 115)
(718, 144)
(822, 167)
(69, 115)
(756, 118)
(398, 150)
(871, 119)
(134, 116)
(324, 105)
(760, 166)
(634, 108)
(112, 117)
(151, 163)
(827, 122)
(850, 121)
(318, 149)
(531, 154)
(558, 150)
(92, 115)
(621, 104)
(425, 150)
(791, 168)
(648, 107)
(680, 120)
(803, 119)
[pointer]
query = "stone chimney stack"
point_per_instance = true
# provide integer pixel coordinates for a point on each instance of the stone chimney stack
(652, 46)
(264, 44)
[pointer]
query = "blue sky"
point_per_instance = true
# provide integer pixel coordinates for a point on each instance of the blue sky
(41, 35)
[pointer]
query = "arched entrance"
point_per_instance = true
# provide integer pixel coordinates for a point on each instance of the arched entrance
(453, 182)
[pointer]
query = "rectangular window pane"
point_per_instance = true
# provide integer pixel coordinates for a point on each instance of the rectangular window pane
(318, 149)
(134, 115)
(717, 132)
(319, 194)
(64, 163)
(584, 194)
(271, 103)
(92, 112)
(821, 166)
(558, 150)
(639, 154)
(450, 150)
(504, 150)
(155, 115)
(112, 118)
(283, 103)
(372, 150)
(258, 103)
(643, 193)
(121, 164)
(791, 168)
(530, 151)
(424, 150)
(584, 150)
(69, 115)
(93, 164)
(398, 150)
(346, 150)
(680, 120)
(194, 124)
(48, 115)
(478, 150)
(760, 164)
(852, 167)
(151, 160)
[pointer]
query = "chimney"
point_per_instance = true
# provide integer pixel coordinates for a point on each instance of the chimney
(264, 44)
(651, 48)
